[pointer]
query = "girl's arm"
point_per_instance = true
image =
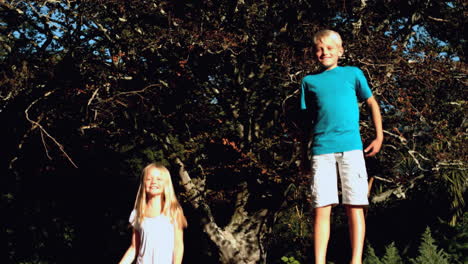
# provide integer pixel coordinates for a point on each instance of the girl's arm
(178, 245)
(376, 144)
(132, 251)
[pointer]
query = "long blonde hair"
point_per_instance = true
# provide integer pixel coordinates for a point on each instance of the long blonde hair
(170, 205)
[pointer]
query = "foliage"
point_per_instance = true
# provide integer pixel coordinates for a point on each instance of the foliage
(294, 225)
(369, 256)
(428, 251)
(93, 90)
(455, 182)
(455, 241)
(290, 260)
(391, 255)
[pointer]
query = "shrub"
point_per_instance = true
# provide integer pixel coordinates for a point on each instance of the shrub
(428, 251)
(370, 257)
(391, 255)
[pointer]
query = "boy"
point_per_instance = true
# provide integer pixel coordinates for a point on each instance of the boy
(332, 96)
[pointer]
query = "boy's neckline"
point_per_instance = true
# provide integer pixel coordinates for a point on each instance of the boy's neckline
(331, 70)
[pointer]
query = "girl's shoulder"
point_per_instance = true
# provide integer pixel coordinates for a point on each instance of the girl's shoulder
(133, 217)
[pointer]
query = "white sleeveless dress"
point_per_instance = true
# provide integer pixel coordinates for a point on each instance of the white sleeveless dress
(156, 239)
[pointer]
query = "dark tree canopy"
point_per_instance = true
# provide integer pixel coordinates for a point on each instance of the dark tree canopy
(94, 90)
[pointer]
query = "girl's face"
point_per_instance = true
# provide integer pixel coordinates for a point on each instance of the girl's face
(154, 182)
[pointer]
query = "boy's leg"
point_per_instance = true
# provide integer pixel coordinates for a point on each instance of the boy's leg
(357, 231)
(324, 188)
(321, 233)
(354, 185)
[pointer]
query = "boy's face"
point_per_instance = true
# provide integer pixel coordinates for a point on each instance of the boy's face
(328, 51)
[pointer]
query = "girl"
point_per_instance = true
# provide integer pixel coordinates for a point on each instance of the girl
(157, 220)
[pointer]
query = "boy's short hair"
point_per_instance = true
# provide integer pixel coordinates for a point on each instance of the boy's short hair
(324, 33)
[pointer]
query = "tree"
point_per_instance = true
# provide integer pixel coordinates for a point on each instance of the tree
(391, 255)
(207, 87)
(428, 251)
(370, 256)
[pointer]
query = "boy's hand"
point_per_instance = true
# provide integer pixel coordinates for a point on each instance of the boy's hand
(373, 148)
(376, 144)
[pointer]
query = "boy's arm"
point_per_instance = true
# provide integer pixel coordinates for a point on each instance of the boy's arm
(376, 144)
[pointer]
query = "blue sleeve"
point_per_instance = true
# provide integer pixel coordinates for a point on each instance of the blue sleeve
(303, 94)
(363, 90)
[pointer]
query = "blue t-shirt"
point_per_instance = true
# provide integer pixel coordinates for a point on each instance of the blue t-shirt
(332, 96)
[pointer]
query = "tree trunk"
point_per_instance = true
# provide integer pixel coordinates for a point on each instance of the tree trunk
(241, 241)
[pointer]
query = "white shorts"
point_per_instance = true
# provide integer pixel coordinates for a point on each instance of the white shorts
(352, 170)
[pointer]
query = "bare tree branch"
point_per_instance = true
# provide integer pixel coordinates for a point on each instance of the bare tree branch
(438, 19)
(36, 123)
